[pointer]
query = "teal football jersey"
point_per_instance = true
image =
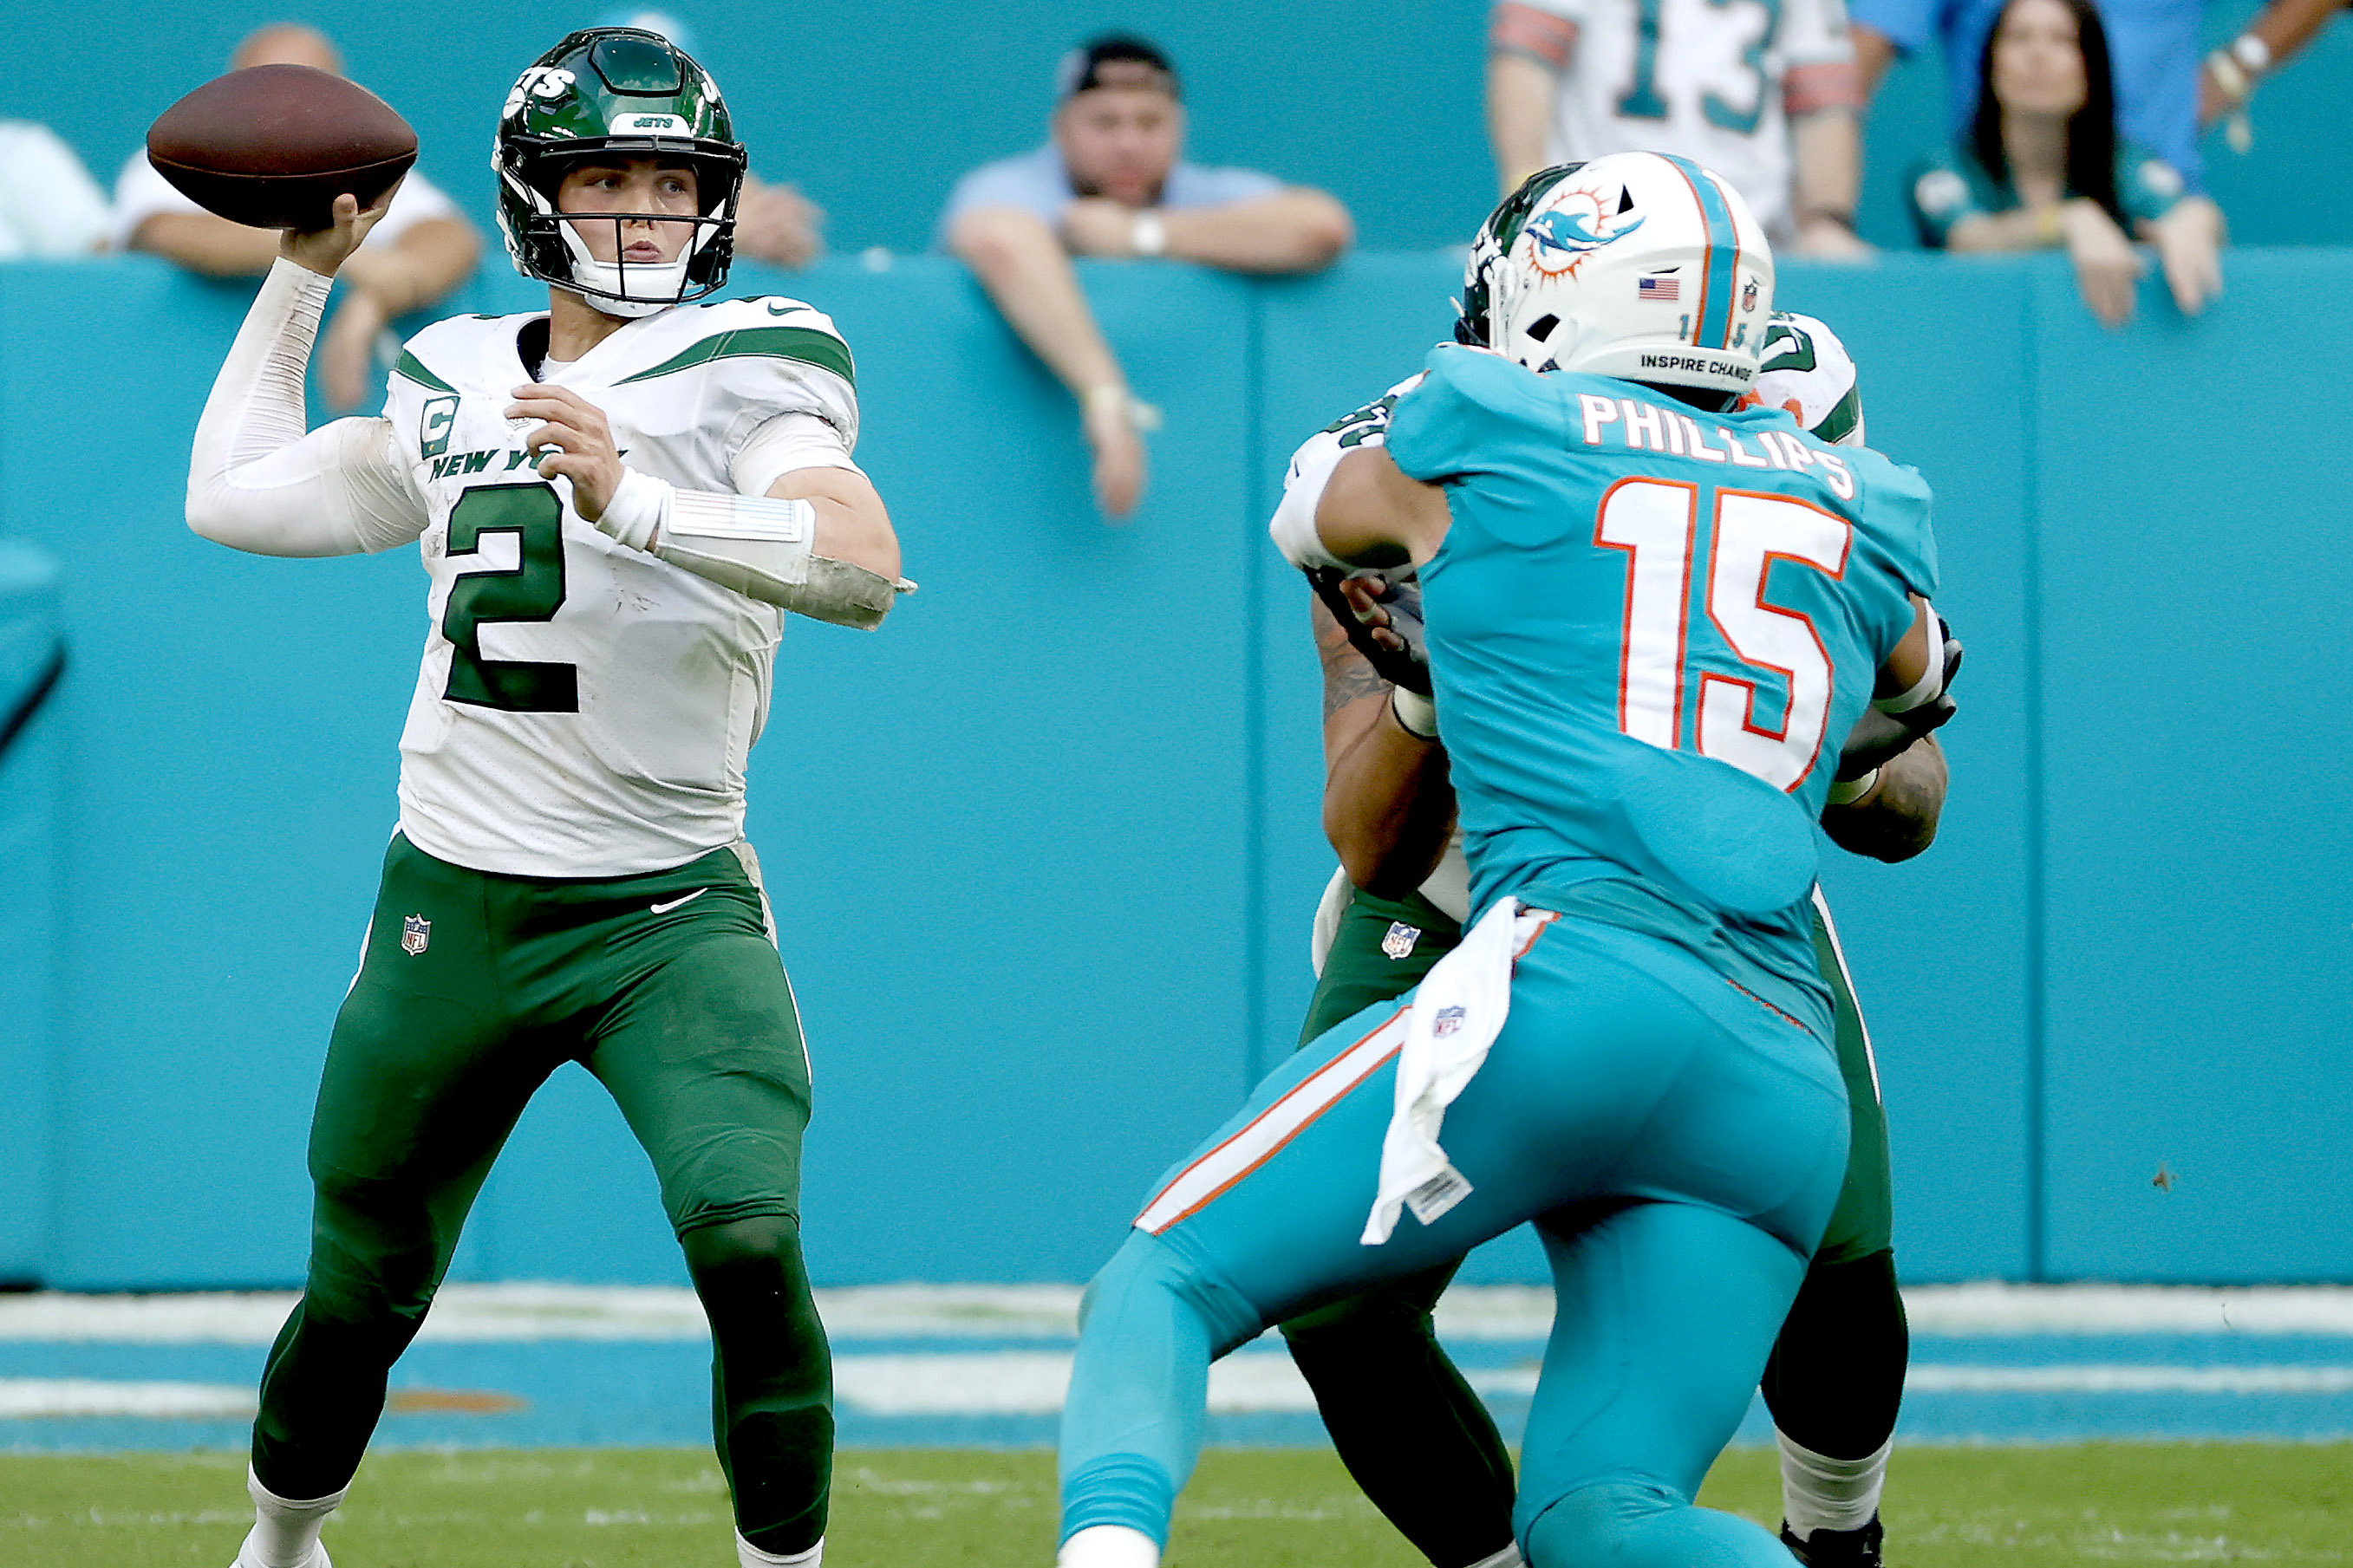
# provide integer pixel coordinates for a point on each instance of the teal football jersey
(1650, 630)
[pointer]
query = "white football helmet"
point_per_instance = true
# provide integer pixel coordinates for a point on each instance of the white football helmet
(1638, 265)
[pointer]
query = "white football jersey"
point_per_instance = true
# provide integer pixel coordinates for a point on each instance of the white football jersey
(1711, 80)
(584, 708)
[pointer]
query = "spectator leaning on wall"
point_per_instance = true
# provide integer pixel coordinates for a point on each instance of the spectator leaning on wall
(1762, 91)
(1110, 183)
(49, 204)
(2153, 48)
(2044, 165)
(416, 255)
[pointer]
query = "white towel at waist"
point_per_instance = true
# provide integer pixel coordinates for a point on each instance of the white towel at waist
(1455, 1017)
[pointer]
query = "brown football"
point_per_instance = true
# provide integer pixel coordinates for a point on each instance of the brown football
(273, 146)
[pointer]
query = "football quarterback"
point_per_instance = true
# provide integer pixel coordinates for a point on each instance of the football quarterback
(615, 500)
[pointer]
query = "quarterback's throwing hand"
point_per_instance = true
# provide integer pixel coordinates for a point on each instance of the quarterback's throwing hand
(578, 444)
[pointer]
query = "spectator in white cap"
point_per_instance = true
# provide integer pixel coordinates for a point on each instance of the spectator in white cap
(1111, 183)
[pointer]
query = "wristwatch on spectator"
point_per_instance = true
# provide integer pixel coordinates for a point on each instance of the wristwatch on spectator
(2236, 70)
(1147, 234)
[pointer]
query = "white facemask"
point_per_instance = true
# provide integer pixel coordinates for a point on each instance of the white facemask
(628, 288)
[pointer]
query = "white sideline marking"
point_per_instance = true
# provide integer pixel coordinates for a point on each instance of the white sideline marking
(2100, 1378)
(23, 1397)
(1490, 1313)
(1033, 1383)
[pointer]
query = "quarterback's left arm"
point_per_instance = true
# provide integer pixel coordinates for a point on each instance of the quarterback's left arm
(817, 544)
(853, 525)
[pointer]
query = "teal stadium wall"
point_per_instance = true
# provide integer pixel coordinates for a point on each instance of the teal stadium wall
(32, 755)
(875, 109)
(1045, 849)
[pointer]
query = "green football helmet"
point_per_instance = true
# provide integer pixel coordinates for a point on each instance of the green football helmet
(605, 92)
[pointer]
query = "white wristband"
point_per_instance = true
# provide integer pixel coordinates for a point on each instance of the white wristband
(640, 506)
(1148, 233)
(1417, 715)
(1844, 792)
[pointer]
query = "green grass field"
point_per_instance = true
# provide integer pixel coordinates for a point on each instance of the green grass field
(2106, 1503)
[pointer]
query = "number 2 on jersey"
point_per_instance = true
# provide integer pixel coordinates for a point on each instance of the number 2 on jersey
(529, 590)
(1655, 522)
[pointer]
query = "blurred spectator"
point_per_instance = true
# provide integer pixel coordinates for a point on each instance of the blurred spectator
(773, 223)
(2266, 44)
(49, 204)
(1110, 183)
(777, 223)
(2043, 164)
(2163, 94)
(416, 255)
(1762, 91)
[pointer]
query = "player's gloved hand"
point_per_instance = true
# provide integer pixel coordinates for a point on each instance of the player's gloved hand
(1878, 738)
(1383, 619)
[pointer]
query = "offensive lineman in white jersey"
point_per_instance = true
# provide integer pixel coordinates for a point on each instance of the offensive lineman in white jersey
(615, 501)
(1765, 92)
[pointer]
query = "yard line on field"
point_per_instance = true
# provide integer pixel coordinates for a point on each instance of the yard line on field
(24, 1398)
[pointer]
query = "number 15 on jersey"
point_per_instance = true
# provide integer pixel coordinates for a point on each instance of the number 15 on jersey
(1655, 522)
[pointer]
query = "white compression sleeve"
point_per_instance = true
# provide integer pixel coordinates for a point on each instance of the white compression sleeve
(760, 547)
(257, 481)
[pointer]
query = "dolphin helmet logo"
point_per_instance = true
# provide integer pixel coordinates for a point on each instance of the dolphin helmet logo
(1576, 225)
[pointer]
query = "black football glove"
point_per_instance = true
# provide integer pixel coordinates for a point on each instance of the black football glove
(1407, 667)
(1878, 738)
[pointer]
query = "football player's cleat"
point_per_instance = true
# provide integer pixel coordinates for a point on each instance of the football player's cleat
(245, 1558)
(616, 92)
(1838, 1548)
(1636, 264)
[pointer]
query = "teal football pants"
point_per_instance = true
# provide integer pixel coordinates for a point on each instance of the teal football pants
(1678, 1144)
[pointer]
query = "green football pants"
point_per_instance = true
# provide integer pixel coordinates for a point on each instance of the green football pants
(474, 988)
(1412, 1432)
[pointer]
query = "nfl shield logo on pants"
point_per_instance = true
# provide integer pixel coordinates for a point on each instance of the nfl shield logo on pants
(1400, 939)
(415, 931)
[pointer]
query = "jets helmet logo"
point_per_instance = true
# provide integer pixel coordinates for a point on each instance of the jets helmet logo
(415, 931)
(540, 81)
(1573, 225)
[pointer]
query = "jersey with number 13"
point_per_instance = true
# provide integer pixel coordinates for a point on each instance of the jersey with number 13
(1716, 81)
(584, 708)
